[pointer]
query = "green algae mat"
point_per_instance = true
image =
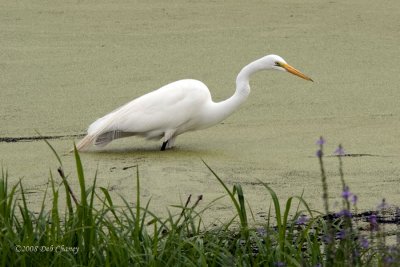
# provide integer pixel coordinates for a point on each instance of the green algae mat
(65, 63)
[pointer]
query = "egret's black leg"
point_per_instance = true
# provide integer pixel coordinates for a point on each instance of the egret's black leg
(164, 144)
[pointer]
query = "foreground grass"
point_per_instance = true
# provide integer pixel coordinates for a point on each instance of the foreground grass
(105, 235)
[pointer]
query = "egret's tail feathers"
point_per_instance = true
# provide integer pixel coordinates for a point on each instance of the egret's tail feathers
(101, 140)
(107, 137)
(104, 139)
(85, 142)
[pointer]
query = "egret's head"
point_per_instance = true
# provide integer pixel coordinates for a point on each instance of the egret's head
(278, 63)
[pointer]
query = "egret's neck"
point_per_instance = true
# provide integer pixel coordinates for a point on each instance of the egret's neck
(223, 109)
(242, 80)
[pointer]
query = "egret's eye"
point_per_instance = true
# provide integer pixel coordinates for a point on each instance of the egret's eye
(277, 64)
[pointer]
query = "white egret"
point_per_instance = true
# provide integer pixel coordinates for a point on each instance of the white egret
(178, 107)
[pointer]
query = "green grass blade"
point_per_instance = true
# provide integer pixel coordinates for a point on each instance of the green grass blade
(110, 204)
(68, 192)
(276, 204)
(242, 211)
(286, 213)
(27, 222)
(137, 232)
(81, 177)
(55, 217)
(3, 194)
(231, 194)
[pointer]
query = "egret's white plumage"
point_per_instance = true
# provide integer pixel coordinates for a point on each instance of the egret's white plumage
(178, 107)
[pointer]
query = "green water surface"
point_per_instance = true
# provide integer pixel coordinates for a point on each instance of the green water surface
(65, 63)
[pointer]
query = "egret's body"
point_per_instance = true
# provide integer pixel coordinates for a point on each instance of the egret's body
(178, 107)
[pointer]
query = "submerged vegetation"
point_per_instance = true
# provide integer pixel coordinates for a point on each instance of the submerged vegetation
(92, 231)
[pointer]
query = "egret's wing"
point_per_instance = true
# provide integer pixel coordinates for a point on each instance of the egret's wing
(152, 114)
(166, 108)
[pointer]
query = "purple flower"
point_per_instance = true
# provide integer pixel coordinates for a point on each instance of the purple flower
(344, 213)
(302, 219)
(388, 259)
(261, 231)
(321, 141)
(364, 243)
(319, 153)
(279, 264)
(339, 151)
(373, 222)
(372, 219)
(346, 193)
(342, 234)
(354, 199)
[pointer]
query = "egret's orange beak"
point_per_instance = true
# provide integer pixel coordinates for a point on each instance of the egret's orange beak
(294, 71)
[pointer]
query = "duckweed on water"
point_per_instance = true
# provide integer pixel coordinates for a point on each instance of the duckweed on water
(92, 231)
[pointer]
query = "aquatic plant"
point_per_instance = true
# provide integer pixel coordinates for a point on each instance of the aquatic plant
(92, 231)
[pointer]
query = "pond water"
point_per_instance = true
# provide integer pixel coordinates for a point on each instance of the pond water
(66, 63)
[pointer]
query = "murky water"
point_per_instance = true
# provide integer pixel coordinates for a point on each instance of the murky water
(65, 64)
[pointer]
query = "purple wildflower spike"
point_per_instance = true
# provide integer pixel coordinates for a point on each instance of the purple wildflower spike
(364, 242)
(373, 222)
(346, 193)
(339, 151)
(354, 199)
(344, 213)
(342, 234)
(302, 219)
(388, 260)
(321, 141)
